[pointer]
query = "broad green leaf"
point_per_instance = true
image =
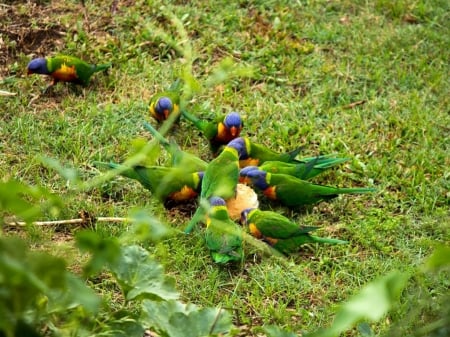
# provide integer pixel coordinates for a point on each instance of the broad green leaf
(371, 303)
(104, 250)
(75, 294)
(176, 319)
(275, 331)
(440, 258)
(25, 201)
(141, 277)
(145, 227)
(365, 330)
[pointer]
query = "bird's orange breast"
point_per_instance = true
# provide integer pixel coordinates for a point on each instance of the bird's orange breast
(186, 193)
(248, 162)
(270, 192)
(254, 231)
(65, 73)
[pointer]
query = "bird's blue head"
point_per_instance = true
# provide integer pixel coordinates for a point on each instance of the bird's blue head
(244, 171)
(164, 107)
(244, 215)
(38, 66)
(241, 146)
(258, 179)
(233, 122)
(216, 201)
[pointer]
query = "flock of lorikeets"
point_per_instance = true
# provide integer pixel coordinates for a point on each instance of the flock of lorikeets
(280, 177)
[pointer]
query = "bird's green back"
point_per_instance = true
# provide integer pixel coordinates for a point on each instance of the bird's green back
(292, 191)
(265, 154)
(221, 175)
(275, 225)
(223, 237)
(83, 69)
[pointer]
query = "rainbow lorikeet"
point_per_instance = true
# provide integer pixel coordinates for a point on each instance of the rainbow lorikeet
(255, 154)
(64, 68)
(167, 184)
(305, 168)
(179, 158)
(222, 235)
(291, 191)
(280, 232)
(166, 102)
(220, 179)
(220, 131)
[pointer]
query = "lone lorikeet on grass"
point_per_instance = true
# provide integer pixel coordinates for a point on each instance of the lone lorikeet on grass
(291, 191)
(222, 235)
(167, 184)
(255, 154)
(305, 168)
(64, 68)
(179, 158)
(280, 232)
(220, 179)
(166, 102)
(220, 131)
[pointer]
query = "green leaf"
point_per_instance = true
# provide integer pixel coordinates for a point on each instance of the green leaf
(25, 201)
(176, 319)
(275, 331)
(104, 250)
(75, 294)
(365, 330)
(141, 277)
(371, 303)
(145, 227)
(440, 258)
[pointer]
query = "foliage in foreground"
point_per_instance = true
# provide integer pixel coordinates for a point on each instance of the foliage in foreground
(39, 296)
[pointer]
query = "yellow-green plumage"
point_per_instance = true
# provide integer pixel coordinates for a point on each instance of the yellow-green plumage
(65, 68)
(222, 236)
(220, 179)
(165, 183)
(291, 191)
(280, 232)
(256, 154)
(304, 168)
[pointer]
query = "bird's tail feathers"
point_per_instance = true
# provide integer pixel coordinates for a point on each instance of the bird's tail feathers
(355, 190)
(327, 240)
(193, 119)
(124, 170)
(198, 216)
(177, 85)
(292, 154)
(102, 67)
(164, 142)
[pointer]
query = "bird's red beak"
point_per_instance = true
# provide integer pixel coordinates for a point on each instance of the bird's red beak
(234, 131)
(245, 180)
(166, 113)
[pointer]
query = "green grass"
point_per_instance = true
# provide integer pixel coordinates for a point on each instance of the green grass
(312, 60)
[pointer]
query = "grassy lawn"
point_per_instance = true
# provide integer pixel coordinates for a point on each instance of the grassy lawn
(367, 80)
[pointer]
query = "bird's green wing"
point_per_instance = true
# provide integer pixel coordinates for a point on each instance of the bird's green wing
(221, 175)
(275, 225)
(209, 129)
(223, 237)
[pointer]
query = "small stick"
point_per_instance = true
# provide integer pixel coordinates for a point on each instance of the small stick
(352, 105)
(67, 222)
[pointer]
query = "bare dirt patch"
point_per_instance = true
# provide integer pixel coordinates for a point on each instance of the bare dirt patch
(27, 28)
